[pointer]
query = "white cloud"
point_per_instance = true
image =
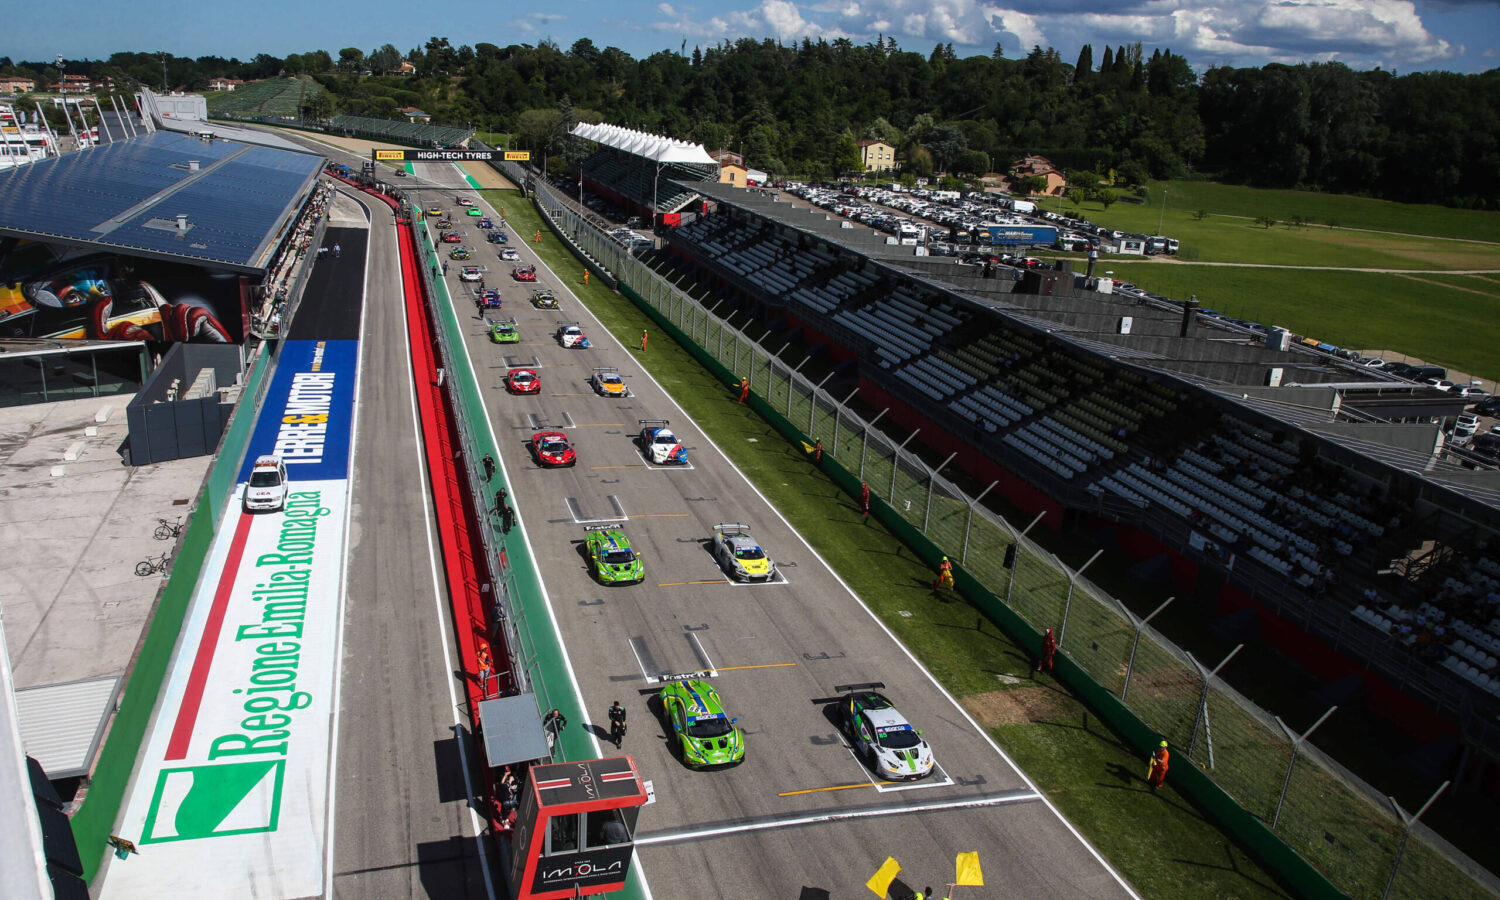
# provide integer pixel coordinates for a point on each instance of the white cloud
(547, 17)
(1233, 32)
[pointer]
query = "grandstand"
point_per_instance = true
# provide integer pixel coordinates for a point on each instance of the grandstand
(400, 131)
(282, 98)
(1276, 480)
(643, 172)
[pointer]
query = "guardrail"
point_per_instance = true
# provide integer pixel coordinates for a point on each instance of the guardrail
(1306, 817)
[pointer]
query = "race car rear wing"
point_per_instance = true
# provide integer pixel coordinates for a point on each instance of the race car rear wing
(861, 686)
(606, 526)
(732, 528)
(652, 423)
(561, 325)
(600, 369)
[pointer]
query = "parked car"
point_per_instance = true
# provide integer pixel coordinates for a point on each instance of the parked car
(267, 487)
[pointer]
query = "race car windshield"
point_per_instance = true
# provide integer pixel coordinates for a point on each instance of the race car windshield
(554, 446)
(900, 739)
(521, 379)
(265, 478)
(619, 557)
(703, 727)
(749, 553)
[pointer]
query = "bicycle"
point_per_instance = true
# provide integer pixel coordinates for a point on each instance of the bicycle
(151, 565)
(167, 531)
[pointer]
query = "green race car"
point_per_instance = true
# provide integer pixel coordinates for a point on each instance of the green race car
(613, 560)
(706, 733)
(505, 332)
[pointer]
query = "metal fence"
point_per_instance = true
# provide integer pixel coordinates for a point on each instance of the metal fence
(1340, 824)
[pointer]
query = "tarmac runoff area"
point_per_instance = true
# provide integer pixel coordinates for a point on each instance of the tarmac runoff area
(77, 520)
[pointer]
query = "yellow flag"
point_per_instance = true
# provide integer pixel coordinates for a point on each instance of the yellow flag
(807, 447)
(966, 870)
(880, 882)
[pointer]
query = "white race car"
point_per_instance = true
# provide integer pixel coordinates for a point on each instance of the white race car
(891, 745)
(571, 336)
(660, 444)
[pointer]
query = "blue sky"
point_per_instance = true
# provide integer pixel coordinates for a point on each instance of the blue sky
(1405, 35)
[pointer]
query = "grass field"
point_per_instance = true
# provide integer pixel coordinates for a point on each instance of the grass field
(1341, 210)
(1158, 842)
(1423, 316)
(1428, 313)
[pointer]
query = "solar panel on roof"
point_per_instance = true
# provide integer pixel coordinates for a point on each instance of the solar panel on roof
(234, 197)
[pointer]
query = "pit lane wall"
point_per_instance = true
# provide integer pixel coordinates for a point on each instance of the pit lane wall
(666, 307)
(94, 821)
(519, 603)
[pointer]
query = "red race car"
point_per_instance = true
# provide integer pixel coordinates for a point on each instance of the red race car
(552, 449)
(452, 237)
(523, 273)
(523, 381)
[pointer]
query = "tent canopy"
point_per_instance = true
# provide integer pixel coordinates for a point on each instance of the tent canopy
(639, 143)
(512, 730)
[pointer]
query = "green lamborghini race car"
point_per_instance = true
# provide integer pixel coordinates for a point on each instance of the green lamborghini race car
(505, 332)
(610, 554)
(706, 734)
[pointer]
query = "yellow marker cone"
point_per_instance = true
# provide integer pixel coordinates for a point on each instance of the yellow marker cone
(966, 870)
(880, 882)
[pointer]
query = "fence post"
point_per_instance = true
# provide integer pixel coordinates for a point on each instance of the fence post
(838, 418)
(1139, 624)
(812, 407)
(931, 485)
(963, 558)
(866, 448)
(1407, 822)
(1062, 633)
(896, 463)
(1203, 702)
(1296, 740)
(1016, 564)
(791, 380)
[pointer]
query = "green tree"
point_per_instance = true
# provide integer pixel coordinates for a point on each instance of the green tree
(1107, 197)
(845, 157)
(351, 59)
(972, 162)
(1075, 196)
(918, 163)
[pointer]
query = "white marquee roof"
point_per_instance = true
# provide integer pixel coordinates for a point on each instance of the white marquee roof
(639, 143)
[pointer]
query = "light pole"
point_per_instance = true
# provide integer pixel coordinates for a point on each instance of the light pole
(1162, 220)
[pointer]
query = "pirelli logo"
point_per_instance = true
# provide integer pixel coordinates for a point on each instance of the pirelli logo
(518, 155)
(398, 155)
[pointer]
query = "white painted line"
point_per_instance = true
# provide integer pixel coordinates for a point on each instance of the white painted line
(703, 654)
(985, 735)
(638, 663)
(444, 620)
(931, 781)
(678, 836)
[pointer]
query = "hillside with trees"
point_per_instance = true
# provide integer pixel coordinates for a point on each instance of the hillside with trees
(1117, 111)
